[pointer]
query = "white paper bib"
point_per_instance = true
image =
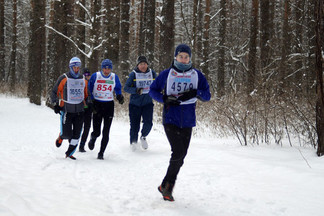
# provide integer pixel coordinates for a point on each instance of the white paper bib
(104, 87)
(178, 83)
(75, 90)
(144, 80)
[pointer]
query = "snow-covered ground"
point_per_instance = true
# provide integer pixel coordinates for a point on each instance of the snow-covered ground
(220, 177)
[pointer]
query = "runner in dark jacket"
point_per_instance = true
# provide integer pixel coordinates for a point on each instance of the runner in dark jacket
(140, 103)
(178, 88)
(87, 114)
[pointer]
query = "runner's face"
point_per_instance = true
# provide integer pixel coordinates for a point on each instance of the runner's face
(183, 58)
(106, 71)
(87, 77)
(142, 66)
(76, 69)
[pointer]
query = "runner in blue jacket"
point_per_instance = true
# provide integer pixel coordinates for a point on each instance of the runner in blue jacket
(140, 103)
(178, 88)
(102, 86)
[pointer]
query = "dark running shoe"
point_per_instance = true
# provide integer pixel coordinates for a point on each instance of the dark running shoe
(58, 141)
(167, 192)
(91, 143)
(71, 157)
(100, 157)
(81, 149)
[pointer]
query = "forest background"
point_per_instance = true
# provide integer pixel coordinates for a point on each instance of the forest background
(262, 58)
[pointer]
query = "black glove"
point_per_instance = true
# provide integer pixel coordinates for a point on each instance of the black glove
(187, 95)
(57, 109)
(170, 100)
(139, 91)
(120, 98)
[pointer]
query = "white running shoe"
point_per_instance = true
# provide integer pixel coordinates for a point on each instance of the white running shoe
(144, 142)
(133, 146)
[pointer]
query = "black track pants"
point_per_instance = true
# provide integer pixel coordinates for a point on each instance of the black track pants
(104, 113)
(179, 139)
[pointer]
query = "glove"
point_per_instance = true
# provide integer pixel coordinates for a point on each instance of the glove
(57, 109)
(90, 107)
(170, 100)
(139, 91)
(187, 95)
(120, 99)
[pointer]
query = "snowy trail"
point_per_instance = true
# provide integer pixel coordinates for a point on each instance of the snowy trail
(219, 176)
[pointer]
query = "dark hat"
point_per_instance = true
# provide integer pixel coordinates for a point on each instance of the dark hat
(142, 59)
(86, 72)
(182, 48)
(106, 63)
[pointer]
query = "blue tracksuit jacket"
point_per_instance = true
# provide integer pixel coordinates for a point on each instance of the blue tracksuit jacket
(182, 116)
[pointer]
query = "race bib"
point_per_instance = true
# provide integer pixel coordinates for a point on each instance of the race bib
(104, 87)
(75, 90)
(144, 80)
(178, 83)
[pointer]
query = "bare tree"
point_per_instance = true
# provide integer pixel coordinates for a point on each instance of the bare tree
(251, 75)
(112, 31)
(2, 41)
(124, 38)
(221, 52)
(12, 64)
(142, 29)
(149, 30)
(36, 50)
(167, 34)
(95, 34)
(80, 38)
(284, 69)
(319, 11)
(206, 50)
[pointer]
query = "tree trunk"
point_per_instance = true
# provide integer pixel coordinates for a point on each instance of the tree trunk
(194, 31)
(319, 78)
(2, 42)
(94, 61)
(310, 60)
(36, 51)
(142, 28)
(205, 65)
(57, 63)
(298, 41)
(12, 65)
(251, 76)
(81, 31)
(124, 39)
(112, 31)
(221, 52)
(167, 35)
(150, 30)
(285, 50)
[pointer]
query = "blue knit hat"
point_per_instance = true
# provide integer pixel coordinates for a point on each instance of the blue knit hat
(107, 63)
(182, 48)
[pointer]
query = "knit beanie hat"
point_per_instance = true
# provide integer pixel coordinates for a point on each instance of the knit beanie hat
(142, 59)
(86, 72)
(107, 63)
(182, 48)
